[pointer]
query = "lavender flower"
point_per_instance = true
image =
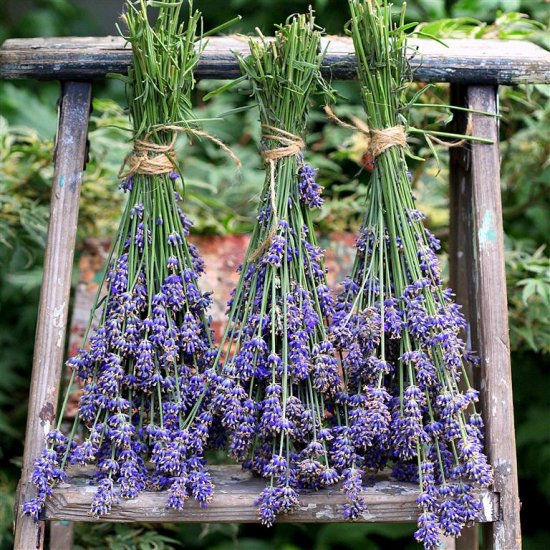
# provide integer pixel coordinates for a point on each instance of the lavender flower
(310, 190)
(352, 488)
(144, 368)
(398, 330)
(279, 372)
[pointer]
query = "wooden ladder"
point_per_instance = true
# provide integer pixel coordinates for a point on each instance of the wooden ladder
(474, 69)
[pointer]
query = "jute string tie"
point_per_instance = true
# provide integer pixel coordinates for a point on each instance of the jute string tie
(379, 141)
(151, 159)
(291, 145)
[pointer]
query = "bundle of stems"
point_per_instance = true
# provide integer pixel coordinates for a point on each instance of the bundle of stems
(140, 419)
(409, 401)
(277, 369)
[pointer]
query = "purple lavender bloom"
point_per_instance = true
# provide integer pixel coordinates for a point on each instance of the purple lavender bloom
(393, 318)
(173, 263)
(352, 488)
(274, 256)
(200, 486)
(267, 506)
(82, 363)
(428, 532)
(104, 498)
(271, 420)
(244, 433)
(326, 378)
(274, 501)
(190, 334)
(342, 450)
(174, 239)
(469, 503)
(310, 190)
(126, 184)
(451, 517)
(407, 427)
(424, 368)
(178, 493)
(34, 506)
(276, 467)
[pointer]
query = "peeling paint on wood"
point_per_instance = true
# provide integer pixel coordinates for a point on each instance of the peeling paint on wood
(487, 232)
(58, 322)
(47, 413)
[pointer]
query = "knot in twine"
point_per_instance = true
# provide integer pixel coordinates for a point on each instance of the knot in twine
(149, 159)
(378, 141)
(291, 145)
(152, 159)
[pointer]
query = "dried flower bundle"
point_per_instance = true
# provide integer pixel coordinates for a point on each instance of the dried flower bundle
(409, 402)
(143, 409)
(278, 371)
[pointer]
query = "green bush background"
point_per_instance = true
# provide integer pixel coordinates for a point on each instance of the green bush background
(27, 128)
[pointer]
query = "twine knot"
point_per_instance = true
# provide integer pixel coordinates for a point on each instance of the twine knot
(378, 141)
(151, 159)
(291, 144)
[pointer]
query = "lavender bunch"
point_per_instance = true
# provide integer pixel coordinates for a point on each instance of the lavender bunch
(277, 371)
(408, 399)
(143, 417)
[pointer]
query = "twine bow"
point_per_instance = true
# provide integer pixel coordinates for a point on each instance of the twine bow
(151, 159)
(291, 145)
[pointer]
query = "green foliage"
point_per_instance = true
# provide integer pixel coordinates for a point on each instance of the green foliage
(116, 536)
(526, 161)
(23, 206)
(7, 500)
(507, 26)
(244, 537)
(46, 18)
(528, 276)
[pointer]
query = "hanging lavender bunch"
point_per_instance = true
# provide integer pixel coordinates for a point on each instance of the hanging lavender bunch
(143, 413)
(277, 369)
(409, 402)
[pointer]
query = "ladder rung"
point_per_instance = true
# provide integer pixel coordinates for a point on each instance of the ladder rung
(235, 492)
(463, 61)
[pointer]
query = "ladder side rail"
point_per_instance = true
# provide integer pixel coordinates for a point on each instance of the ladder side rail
(49, 350)
(478, 273)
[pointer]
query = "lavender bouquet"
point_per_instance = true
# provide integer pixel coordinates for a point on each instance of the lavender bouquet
(143, 418)
(277, 369)
(409, 402)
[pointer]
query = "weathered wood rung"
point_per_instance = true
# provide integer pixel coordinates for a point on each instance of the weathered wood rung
(463, 61)
(236, 490)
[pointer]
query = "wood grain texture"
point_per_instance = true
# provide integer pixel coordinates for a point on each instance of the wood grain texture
(234, 496)
(461, 250)
(464, 60)
(49, 347)
(482, 283)
(61, 535)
